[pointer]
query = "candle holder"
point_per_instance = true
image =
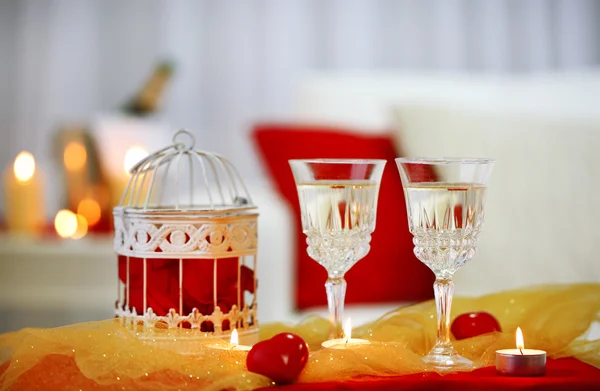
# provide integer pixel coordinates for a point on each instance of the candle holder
(347, 342)
(514, 363)
(186, 239)
(233, 344)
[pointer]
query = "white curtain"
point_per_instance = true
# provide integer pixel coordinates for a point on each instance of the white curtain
(63, 61)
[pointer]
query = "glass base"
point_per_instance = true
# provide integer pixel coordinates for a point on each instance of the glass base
(446, 359)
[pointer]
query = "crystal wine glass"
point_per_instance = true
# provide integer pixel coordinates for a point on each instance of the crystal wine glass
(445, 200)
(338, 203)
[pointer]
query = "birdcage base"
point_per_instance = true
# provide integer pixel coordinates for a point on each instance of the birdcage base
(185, 341)
(184, 334)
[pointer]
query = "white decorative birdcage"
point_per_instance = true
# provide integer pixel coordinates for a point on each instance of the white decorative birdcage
(186, 240)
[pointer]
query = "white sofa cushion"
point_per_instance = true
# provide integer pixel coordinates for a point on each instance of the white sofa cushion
(542, 207)
(364, 99)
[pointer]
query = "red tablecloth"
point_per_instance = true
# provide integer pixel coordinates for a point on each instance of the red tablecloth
(564, 374)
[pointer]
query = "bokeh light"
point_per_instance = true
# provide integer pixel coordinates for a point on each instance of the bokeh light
(133, 156)
(65, 223)
(90, 209)
(75, 156)
(24, 166)
(82, 227)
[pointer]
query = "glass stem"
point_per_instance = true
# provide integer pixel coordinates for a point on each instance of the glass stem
(444, 291)
(336, 293)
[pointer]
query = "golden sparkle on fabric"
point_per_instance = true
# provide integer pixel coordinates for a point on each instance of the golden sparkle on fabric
(104, 353)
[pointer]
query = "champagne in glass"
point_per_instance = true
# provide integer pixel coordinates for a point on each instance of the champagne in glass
(338, 203)
(449, 215)
(445, 199)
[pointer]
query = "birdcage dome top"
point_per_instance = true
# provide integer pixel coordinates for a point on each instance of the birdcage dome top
(179, 178)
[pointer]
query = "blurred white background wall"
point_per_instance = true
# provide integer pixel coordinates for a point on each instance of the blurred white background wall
(239, 61)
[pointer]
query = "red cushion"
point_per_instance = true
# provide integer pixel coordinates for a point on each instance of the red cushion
(390, 272)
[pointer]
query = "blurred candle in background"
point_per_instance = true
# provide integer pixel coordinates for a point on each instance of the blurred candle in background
(86, 186)
(75, 159)
(91, 210)
(69, 225)
(23, 196)
(82, 227)
(65, 223)
(119, 183)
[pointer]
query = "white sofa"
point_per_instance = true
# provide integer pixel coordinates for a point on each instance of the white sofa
(544, 131)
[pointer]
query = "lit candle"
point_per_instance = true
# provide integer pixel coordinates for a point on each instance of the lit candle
(23, 196)
(133, 155)
(521, 361)
(347, 341)
(233, 344)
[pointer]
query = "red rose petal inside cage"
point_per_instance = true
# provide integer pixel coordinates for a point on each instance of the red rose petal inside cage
(205, 285)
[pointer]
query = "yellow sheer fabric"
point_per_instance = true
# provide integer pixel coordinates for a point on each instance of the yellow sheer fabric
(102, 355)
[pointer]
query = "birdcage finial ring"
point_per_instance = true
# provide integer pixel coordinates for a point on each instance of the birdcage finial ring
(179, 144)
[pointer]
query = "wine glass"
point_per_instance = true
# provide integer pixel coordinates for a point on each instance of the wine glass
(338, 203)
(445, 200)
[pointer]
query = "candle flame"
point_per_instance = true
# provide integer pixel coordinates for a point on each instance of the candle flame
(520, 341)
(133, 156)
(348, 330)
(24, 166)
(234, 338)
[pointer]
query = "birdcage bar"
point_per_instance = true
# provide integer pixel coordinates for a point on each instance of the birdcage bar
(119, 303)
(211, 158)
(152, 181)
(191, 165)
(136, 189)
(128, 285)
(181, 285)
(239, 179)
(216, 177)
(239, 282)
(254, 268)
(215, 283)
(205, 176)
(177, 179)
(139, 188)
(126, 192)
(145, 285)
(232, 179)
(232, 187)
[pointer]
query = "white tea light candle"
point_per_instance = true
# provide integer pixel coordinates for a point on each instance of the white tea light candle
(233, 344)
(347, 341)
(520, 361)
(23, 196)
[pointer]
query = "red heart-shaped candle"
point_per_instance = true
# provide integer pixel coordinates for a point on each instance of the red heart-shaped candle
(473, 324)
(280, 358)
